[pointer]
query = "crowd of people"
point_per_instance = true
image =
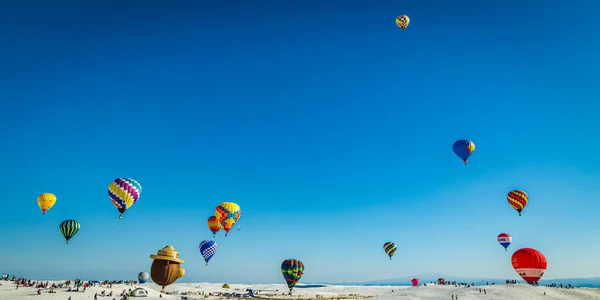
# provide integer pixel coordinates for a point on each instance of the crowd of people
(77, 285)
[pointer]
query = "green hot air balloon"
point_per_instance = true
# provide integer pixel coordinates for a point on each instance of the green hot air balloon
(292, 270)
(69, 228)
(390, 249)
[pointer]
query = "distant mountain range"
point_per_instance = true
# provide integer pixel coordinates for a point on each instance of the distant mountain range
(593, 282)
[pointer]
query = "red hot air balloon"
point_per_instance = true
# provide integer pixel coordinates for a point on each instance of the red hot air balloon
(530, 264)
(414, 281)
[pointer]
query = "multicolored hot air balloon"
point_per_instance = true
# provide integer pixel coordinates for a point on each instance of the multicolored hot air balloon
(208, 249)
(530, 264)
(518, 199)
(390, 249)
(504, 239)
(414, 281)
(214, 225)
(463, 149)
(69, 228)
(292, 270)
(402, 21)
(143, 277)
(123, 193)
(46, 201)
(227, 213)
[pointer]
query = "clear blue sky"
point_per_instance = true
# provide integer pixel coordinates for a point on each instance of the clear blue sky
(329, 126)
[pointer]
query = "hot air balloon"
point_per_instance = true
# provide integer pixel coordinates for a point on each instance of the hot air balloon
(143, 277)
(292, 270)
(227, 213)
(214, 225)
(46, 201)
(123, 193)
(504, 239)
(166, 266)
(414, 281)
(402, 21)
(69, 228)
(390, 249)
(208, 249)
(463, 149)
(518, 199)
(530, 264)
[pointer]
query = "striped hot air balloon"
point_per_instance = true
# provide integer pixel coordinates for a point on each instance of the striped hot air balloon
(292, 270)
(214, 225)
(390, 249)
(69, 228)
(504, 239)
(123, 193)
(518, 199)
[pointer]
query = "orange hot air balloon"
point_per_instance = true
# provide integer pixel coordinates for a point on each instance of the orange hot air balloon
(214, 225)
(530, 264)
(518, 199)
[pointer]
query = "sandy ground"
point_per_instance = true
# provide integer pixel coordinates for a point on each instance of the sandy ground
(505, 292)
(8, 291)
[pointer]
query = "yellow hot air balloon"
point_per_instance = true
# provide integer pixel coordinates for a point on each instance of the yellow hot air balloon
(46, 201)
(402, 21)
(227, 213)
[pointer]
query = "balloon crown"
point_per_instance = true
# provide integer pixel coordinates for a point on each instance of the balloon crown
(167, 253)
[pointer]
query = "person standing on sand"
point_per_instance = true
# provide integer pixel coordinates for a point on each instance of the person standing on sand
(452, 296)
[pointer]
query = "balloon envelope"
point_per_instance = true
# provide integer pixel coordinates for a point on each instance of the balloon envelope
(124, 192)
(504, 239)
(227, 213)
(414, 281)
(292, 270)
(530, 264)
(214, 225)
(518, 199)
(463, 149)
(208, 249)
(68, 228)
(390, 249)
(402, 21)
(46, 201)
(143, 277)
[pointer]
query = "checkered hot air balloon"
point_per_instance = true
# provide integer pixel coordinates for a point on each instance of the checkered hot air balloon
(123, 193)
(208, 249)
(227, 214)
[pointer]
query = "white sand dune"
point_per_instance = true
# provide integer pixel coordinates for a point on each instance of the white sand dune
(507, 292)
(8, 291)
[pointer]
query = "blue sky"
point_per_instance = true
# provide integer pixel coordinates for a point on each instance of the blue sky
(328, 125)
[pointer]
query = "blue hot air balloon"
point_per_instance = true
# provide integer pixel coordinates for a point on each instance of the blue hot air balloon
(463, 149)
(208, 249)
(143, 277)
